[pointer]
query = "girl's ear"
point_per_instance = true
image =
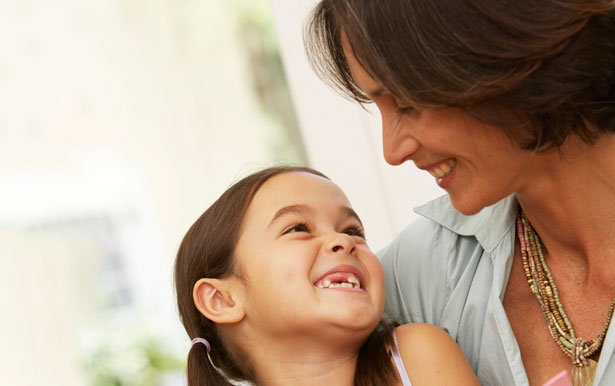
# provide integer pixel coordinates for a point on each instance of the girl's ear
(219, 300)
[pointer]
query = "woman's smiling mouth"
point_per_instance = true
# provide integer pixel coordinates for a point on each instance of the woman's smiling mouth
(444, 169)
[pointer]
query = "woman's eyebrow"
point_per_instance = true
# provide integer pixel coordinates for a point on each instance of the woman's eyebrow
(290, 209)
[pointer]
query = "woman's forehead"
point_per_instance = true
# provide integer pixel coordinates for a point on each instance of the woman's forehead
(359, 74)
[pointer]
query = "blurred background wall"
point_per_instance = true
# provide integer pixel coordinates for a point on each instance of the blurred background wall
(120, 122)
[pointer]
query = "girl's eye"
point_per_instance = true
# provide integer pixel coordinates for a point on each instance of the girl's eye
(355, 231)
(297, 228)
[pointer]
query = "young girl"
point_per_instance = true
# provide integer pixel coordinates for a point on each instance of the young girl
(277, 286)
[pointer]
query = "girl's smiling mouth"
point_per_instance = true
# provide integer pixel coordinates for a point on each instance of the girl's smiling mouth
(346, 277)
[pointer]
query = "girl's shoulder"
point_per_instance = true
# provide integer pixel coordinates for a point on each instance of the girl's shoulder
(431, 357)
(410, 335)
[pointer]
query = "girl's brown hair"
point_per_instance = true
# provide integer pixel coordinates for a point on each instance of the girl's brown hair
(541, 70)
(207, 252)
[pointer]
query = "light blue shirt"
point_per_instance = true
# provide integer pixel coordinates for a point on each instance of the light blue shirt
(451, 270)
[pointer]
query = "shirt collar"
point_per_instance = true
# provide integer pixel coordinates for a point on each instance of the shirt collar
(489, 225)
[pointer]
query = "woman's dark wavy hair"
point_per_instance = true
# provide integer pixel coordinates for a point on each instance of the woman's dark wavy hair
(207, 251)
(541, 70)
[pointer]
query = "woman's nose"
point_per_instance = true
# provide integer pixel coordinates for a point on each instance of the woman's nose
(341, 242)
(398, 144)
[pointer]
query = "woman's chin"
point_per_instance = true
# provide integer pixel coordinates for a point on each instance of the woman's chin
(467, 206)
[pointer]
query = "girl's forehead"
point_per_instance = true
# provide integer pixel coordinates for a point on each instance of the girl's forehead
(295, 188)
(299, 184)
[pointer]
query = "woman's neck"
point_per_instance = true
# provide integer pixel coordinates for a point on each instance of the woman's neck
(570, 201)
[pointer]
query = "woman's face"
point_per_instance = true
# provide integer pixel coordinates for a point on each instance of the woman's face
(475, 163)
(305, 261)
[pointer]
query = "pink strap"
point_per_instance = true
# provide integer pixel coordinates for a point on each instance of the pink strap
(203, 341)
(399, 363)
(561, 379)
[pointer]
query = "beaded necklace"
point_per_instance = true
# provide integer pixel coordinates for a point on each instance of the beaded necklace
(542, 285)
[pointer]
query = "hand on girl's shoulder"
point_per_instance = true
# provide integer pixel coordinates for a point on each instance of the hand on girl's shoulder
(432, 357)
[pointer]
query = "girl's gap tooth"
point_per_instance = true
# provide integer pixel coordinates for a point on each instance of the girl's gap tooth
(327, 284)
(350, 281)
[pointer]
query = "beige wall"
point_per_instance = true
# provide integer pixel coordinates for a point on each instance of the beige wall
(138, 111)
(45, 300)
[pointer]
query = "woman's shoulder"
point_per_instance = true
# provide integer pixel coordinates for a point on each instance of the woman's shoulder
(431, 357)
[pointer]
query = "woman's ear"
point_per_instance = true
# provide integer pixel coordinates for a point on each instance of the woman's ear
(219, 300)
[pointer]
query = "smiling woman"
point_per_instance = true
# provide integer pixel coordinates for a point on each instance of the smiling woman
(511, 107)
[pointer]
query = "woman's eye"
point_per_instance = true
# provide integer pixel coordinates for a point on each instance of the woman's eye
(297, 228)
(405, 110)
(355, 231)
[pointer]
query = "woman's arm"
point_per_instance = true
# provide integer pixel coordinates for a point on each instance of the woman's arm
(431, 357)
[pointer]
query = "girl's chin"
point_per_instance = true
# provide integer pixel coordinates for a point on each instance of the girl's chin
(357, 322)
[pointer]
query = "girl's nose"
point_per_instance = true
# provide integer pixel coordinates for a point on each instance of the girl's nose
(341, 242)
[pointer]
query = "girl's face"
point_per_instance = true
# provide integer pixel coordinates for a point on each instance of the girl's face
(305, 262)
(475, 163)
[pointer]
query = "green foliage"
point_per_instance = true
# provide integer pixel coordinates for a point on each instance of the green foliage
(128, 356)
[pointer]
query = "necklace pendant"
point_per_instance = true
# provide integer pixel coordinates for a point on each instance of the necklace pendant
(584, 375)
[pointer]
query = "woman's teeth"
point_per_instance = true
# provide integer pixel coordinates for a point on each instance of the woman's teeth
(443, 169)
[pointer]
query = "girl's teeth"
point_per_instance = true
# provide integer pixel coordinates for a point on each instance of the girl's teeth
(341, 285)
(351, 282)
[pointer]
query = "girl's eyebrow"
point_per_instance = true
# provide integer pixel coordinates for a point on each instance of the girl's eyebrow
(304, 209)
(351, 213)
(290, 209)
